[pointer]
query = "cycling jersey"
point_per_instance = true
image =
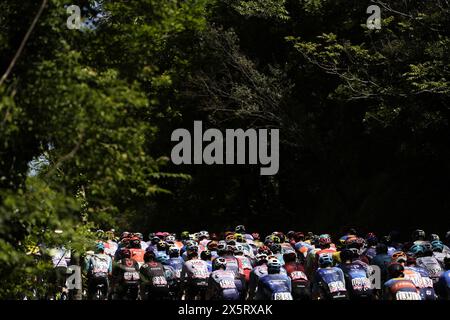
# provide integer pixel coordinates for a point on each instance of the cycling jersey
(423, 282)
(222, 286)
(153, 279)
(256, 273)
(357, 280)
(194, 277)
(432, 265)
(329, 283)
(274, 287)
(138, 256)
(99, 264)
(177, 264)
(299, 280)
(401, 289)
(245, 267)
(125, 275)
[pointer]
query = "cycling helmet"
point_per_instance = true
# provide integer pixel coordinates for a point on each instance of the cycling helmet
(135, 243)
(162, 246)
(323, 241)
(290, 234)
(125, 253)
(275, 248)
(230, 237)
(289, 256)
(221, 246)
(212, 245)
(173, 251)
(162, 258)
(395, 270)
(239, 237)
(190, 243)
(155, 240)
(437, 246)
(240, 229)
(419, 235)
(260, 257)
(124, 235)
(192, 248)
(149, 256)
(170, 239)
(417, 250)
(203, 235)
(239, 249)
(299, 236)
(325, 259)
(273, 265)
(346, 255)
(399, 257)
(184, 235)
(276, 239)
(205, 255)
(231, 248)
(219, 263)
(139, 235)
(255, 236)
(265, 250)
(434, 237)
(100, 246)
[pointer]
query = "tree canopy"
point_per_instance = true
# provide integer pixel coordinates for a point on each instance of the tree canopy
(86, 117)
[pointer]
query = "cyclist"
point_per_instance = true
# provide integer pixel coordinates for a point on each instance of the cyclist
(424, 283)
(275, 285)
(397, 287)
(382, 259)
(98, 269)
(299, 280)
(154, 284)
(329, 281)
(245, 264)
(257, 272)
(357, 278)
(125, 277)
(221, 283)
(194, 275)
(427, 261)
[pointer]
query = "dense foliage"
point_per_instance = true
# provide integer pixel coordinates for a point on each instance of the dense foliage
(86, 117)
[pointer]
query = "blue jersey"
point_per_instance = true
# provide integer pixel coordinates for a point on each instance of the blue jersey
(177, 265)
(356, 279)
(330, 283)
(222, 286)
(274, 287)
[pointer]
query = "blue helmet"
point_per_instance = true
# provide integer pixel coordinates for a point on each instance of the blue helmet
(162, 257)
(437, 246)
(100, 246)
(326, 258)
(417, 249)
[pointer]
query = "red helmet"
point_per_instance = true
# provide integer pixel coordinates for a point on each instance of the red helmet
(324, 241)
(265, 250)
(255, 235)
